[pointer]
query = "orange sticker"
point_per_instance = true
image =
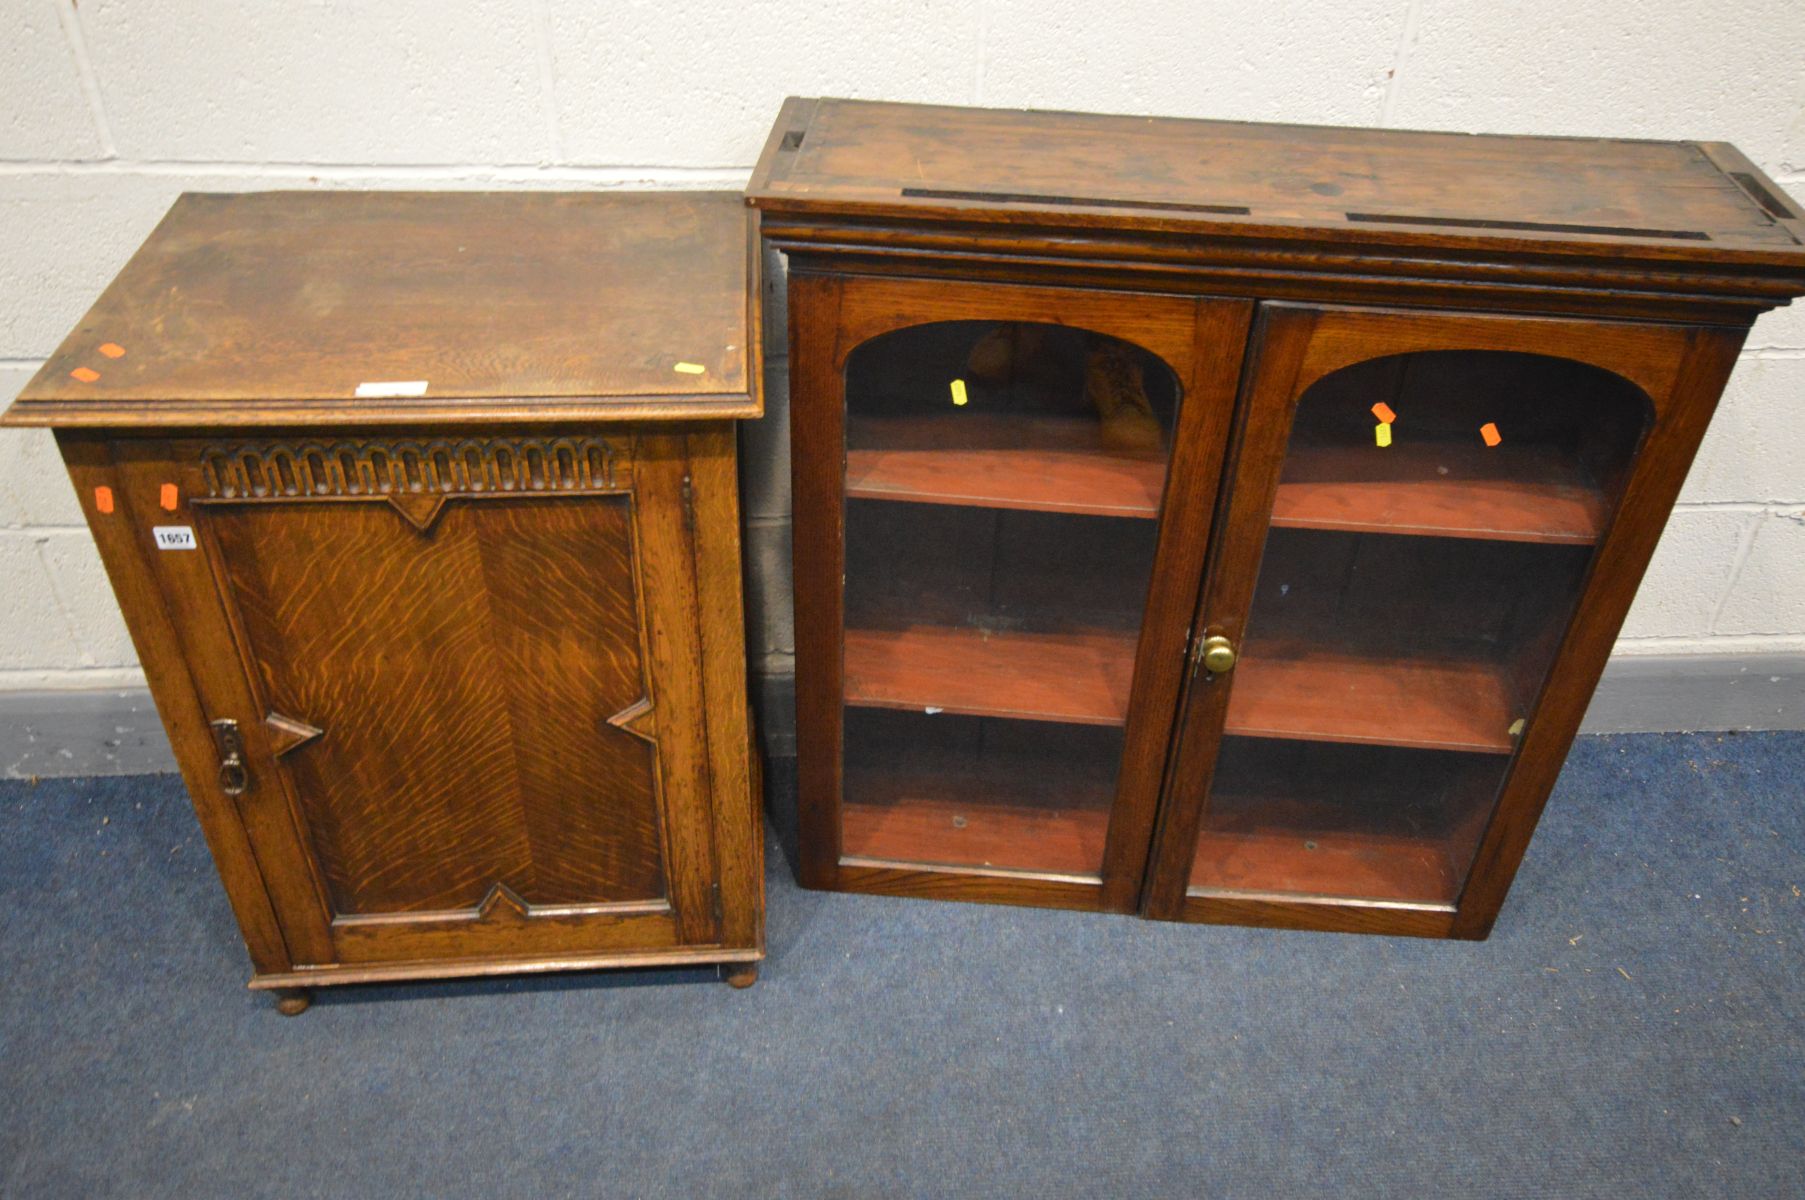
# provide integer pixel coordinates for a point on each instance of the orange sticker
(103, 499)
(1383, 411)
(1490, 433)
(168, 497)
(85, 374)
(112, 349)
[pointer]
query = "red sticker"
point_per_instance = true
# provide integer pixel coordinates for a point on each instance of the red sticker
(169, 497)
(103, 499)
(1490, 433)
(85, 374)
(1383, 411)
(112, 349)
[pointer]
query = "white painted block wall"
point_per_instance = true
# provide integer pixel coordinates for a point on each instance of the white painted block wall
(110, 108)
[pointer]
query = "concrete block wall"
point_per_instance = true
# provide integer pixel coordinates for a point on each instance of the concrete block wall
(110, 108)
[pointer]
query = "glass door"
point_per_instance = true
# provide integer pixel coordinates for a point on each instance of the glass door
(1002, 485)
(1008, 488)
(1412, 532)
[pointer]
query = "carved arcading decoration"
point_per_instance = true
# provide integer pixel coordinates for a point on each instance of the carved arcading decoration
(391, 468)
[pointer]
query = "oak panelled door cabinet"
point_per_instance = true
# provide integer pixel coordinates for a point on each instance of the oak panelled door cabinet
(1229, 522)
(422, 511)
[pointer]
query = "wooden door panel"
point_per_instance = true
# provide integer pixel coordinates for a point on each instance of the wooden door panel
(441, 666)
(467, 677)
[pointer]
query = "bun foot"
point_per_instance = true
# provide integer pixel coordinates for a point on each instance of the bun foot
(740, 975)
(292, 1002)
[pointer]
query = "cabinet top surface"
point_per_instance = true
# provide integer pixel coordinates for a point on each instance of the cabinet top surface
(1665, 200)
(450, 307)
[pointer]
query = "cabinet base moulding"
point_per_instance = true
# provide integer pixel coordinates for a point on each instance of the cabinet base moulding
(404, 972)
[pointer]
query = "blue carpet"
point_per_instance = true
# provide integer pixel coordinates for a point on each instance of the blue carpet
(1633, 1028)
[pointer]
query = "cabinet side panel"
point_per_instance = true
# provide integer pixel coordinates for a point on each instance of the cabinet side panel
(817, 456)
(160, 652)
(739, 832)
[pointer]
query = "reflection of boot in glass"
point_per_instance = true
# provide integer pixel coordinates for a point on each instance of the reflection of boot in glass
(997, 354)
(1113, 385)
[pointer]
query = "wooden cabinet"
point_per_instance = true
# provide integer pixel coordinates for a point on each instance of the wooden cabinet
(1227, 522)
(422, 513)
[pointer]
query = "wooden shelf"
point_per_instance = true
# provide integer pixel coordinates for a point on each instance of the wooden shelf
(1351, 866)
(1366, 822)
(971, 793)
(1288, 690)
(963, 833)
(1078, 677)
(1281, 690)
(1044, 464)
(1510, 493)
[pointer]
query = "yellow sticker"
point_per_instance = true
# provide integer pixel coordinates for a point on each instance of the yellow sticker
(959, 396)
(1382, 433)
(690, 369)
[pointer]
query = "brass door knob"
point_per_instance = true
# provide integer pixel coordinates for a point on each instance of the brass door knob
(1218, 654)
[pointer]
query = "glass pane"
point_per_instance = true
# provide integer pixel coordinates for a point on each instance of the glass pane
(1002, 483)
(1435, 519)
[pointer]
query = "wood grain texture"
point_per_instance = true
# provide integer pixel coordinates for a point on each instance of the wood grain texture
(1322, 916)
(503, 964)
(734, 775)
(1329, 821)
(975, 885)
(1705, 359)
(472, 797)
(157, 640)
(817, 454)
(498, 646)
(972, 832)
(1644, 261)
(1255, 456)
(1296, 348)
(490, 680)
(1109, 680)
(1038, 464)
(1574, 196)
(1078, 676)
(1520, 495)
(1209, 376)
(990, 795)
(1151, 226)
(1313, 692)
(273, 307)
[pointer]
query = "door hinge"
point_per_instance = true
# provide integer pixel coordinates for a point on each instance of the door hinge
(689, 505)
(720, 918)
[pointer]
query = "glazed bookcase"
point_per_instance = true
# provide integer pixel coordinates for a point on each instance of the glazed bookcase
(1300, 634)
